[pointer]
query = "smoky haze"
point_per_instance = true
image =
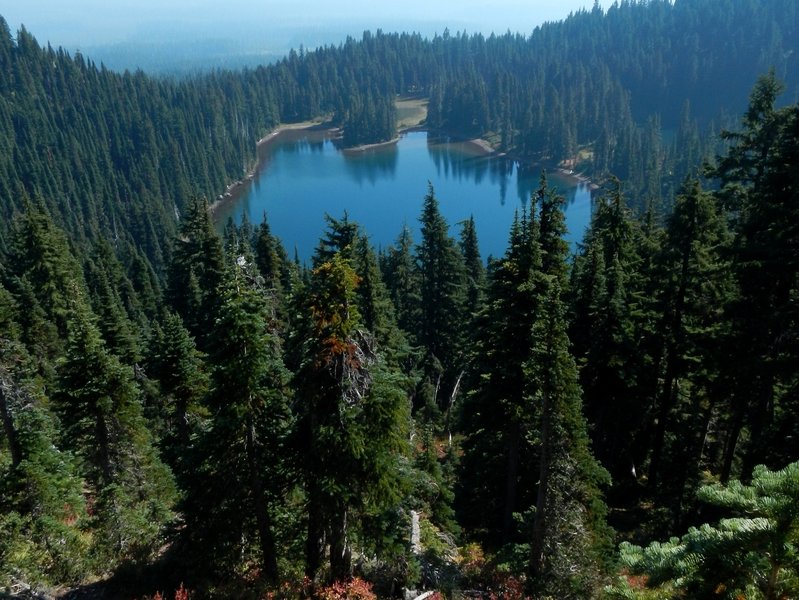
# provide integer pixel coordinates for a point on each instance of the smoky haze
(128, 34)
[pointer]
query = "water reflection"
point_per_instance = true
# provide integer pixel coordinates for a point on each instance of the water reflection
(464, 161)
(372, 165)
(303, 176)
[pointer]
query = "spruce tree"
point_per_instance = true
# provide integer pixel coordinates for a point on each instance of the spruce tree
(758, 183)
(42, 511)
(195, 271)
(497, 468)
(570, 536)
(179, 368)
(402, 279)
(603, 332)
(441, 277)
(474, 268)
(695, 289)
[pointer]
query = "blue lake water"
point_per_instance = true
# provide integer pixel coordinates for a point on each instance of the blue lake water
(304, 176)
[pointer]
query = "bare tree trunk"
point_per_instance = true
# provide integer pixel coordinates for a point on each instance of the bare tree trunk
(542, 502)
(261, 510)
(511, 474)
(6, 387)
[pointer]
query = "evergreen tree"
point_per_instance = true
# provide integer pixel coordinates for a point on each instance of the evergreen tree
(402, 279)
(759, 184)
(179, 368)
(498, 417)
(695, 290)
(195, 272)
(603, 332)
(43, 271)
(441, 276)
(353, 418)
(751, 553)
(570, 536)
(98, 402)
(474, 269)
(42, 510)
(243, 451)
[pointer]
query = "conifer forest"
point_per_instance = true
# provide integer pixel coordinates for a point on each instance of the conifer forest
(189, 414)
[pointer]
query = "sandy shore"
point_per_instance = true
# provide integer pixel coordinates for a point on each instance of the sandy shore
(482, 144)
(236, 189)
(576, 178)
(365, 147)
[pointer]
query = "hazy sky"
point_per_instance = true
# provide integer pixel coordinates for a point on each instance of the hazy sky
(76, 23)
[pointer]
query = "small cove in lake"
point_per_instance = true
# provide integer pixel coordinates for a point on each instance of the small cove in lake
(303, 176)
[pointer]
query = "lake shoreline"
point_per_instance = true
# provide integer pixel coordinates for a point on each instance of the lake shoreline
(234, 191)
(305, 175)
(352, 150)
(485, 148)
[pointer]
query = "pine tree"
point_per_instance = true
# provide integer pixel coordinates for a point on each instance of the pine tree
(570, 536)
(498, 415)
(475, 271)
(174, 361)
(696, 288)
(441, 276)
(758, 182)
(603, 332)
(42, 271)
(402, 279)
(195, 272)
(42, 509)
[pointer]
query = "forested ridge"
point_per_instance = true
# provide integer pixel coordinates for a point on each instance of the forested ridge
(184, 408)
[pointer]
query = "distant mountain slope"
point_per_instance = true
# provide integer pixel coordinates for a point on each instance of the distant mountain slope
(120, 154)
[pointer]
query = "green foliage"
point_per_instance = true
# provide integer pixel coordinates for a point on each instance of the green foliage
(43, 510)
(195, 271)
(685, 335)
(98, 402)
(753, 553)
(354, 417)
(242, 451)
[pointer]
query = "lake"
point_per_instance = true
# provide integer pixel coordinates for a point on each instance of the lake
(303, 176)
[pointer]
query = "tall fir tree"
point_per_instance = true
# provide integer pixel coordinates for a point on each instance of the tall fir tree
(441, 276)
(353, 415)
(98, 402)
(195, 271)
(231, 507)
(497, 468)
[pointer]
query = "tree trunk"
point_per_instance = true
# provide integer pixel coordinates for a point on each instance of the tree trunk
(261, 510)
(340, 555)
(8, 423)
(542, 502)
(511, 475)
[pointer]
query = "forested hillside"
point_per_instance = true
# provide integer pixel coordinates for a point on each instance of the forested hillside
(182, 408)
(633, 92)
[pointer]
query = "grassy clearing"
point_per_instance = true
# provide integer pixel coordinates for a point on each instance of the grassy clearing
(411, 112)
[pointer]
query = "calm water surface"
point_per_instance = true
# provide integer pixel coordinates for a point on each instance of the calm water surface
(304, 176)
